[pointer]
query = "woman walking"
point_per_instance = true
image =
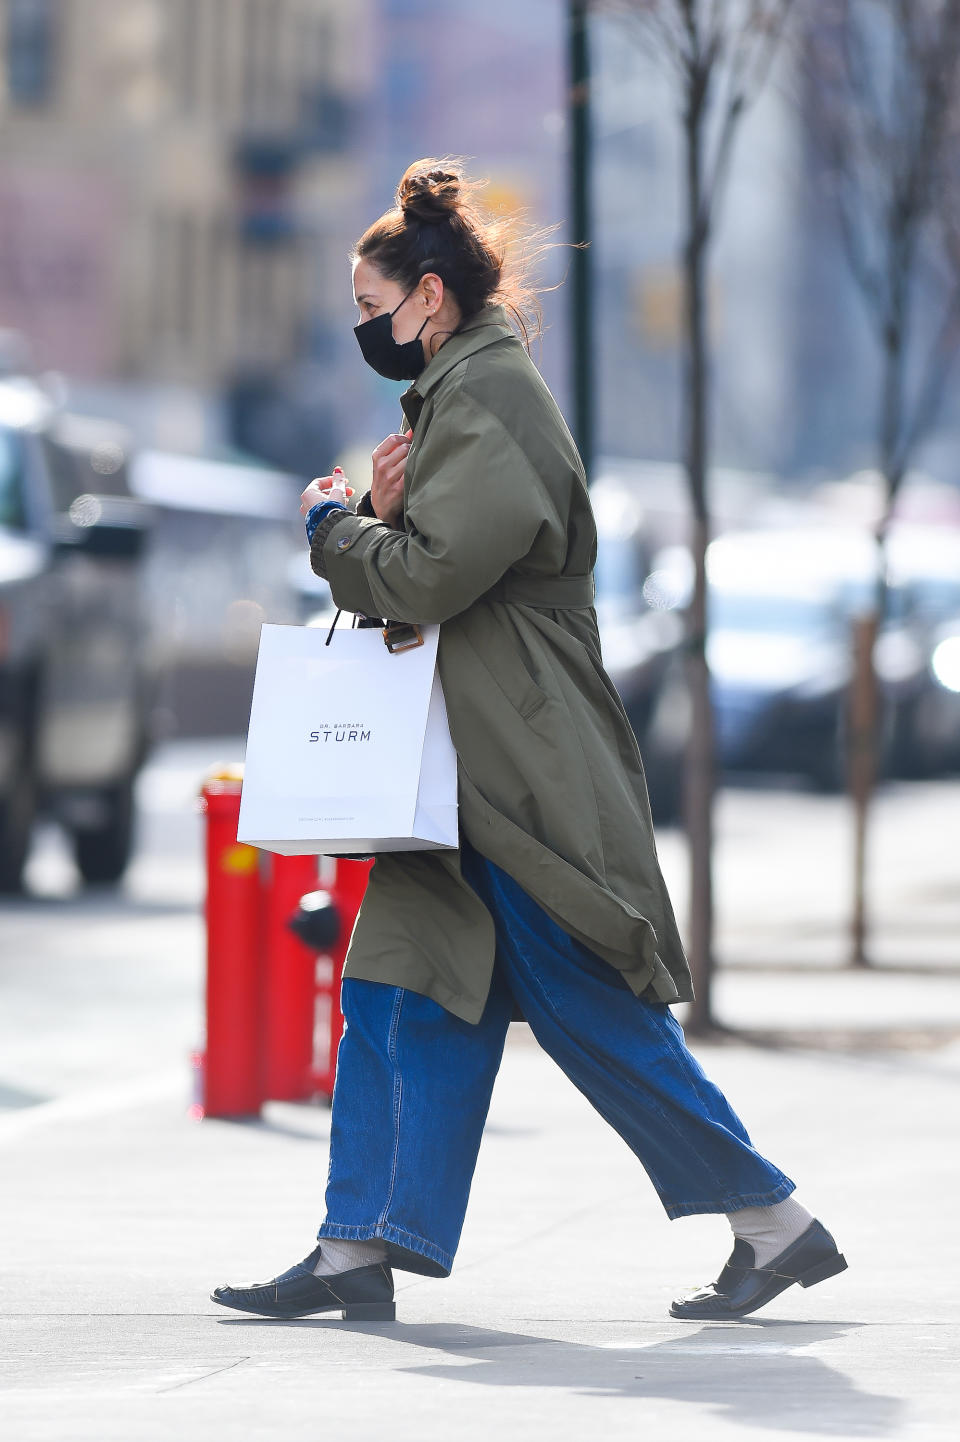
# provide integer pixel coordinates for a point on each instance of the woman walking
(479, 519)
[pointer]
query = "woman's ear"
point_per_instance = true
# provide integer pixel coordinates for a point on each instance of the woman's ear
(432, 291)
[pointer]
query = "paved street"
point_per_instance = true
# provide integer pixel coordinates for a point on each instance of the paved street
(120, 1214)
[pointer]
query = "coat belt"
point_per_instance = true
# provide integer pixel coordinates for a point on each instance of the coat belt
(549, 592)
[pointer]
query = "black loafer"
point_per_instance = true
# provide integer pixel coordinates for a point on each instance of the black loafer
(741, 1287)
(364, 1294)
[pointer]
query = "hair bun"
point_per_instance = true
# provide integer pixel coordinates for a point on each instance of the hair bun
(429, 194)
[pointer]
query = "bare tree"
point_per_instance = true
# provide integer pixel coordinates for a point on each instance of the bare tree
(883, 101)
(717, 54)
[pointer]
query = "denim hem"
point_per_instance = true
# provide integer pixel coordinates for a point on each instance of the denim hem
(730, 1204)
(405, 1242)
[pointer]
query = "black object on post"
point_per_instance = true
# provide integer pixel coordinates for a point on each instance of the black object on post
(581, 298)
(316, 921)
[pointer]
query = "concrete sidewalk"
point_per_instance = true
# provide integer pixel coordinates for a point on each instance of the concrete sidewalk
(119, 1214)
(554, 1324)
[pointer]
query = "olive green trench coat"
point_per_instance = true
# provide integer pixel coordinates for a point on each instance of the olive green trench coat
(498, 546)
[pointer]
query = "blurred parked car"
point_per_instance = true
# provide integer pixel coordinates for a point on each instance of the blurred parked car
(782, 605)
(74, 687)
(931, 743)
(225, 535)
(779, 666)
(936, 719)
(925, 571)
(641, 634)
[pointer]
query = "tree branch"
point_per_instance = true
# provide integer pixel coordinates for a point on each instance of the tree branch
(752, 50)
(940, 360)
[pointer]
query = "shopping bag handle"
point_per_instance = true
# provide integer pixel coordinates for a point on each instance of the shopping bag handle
(332, 628)
(397, 635)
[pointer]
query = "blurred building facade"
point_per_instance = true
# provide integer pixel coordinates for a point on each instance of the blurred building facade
(181, 182)
(795, 365)
(787, 334)
(174, 188)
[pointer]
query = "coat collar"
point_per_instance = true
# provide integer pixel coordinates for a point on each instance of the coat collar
(483, 329)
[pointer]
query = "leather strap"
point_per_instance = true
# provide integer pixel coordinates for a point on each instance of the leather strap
(549, 592)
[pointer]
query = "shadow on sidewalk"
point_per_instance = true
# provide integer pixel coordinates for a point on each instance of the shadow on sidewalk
(749, 1373)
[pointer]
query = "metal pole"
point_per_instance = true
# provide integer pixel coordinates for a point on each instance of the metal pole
(581, 299)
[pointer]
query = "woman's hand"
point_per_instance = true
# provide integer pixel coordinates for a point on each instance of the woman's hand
(386, 493)
(320, 489)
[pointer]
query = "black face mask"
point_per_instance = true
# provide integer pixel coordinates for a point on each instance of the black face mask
(388, 357)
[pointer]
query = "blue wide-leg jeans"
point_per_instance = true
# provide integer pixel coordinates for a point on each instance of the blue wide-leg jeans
(414, 1083)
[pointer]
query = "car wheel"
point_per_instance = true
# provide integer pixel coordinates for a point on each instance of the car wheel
(102, 852)
(17, 810)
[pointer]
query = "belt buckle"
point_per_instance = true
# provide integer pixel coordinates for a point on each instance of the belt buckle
(402, 636)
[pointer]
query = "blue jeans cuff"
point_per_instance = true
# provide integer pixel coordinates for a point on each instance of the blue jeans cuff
(730, 1204)
(405, 1249)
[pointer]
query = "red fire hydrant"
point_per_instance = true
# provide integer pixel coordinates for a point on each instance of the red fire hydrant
(232, 1074)
(275, 952)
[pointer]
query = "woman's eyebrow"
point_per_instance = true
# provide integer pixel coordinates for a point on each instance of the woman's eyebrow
(361, 298)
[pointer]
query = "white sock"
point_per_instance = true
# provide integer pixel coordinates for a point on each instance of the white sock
(770, 1230)
(337, 1256)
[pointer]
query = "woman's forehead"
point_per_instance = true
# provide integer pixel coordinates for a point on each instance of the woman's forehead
(368, 283)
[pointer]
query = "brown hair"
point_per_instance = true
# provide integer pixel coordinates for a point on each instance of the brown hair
(438, 227)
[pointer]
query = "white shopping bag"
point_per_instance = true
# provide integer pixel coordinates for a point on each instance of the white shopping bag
(348, 748)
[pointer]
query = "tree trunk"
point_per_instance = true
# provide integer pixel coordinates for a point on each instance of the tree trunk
(700, 757)
(700, 785)
(862, 772)
(865, 727)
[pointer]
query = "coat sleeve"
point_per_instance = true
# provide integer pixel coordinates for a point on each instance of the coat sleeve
(474, 509)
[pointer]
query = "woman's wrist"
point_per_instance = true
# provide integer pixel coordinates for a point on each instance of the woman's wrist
(319, 513)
